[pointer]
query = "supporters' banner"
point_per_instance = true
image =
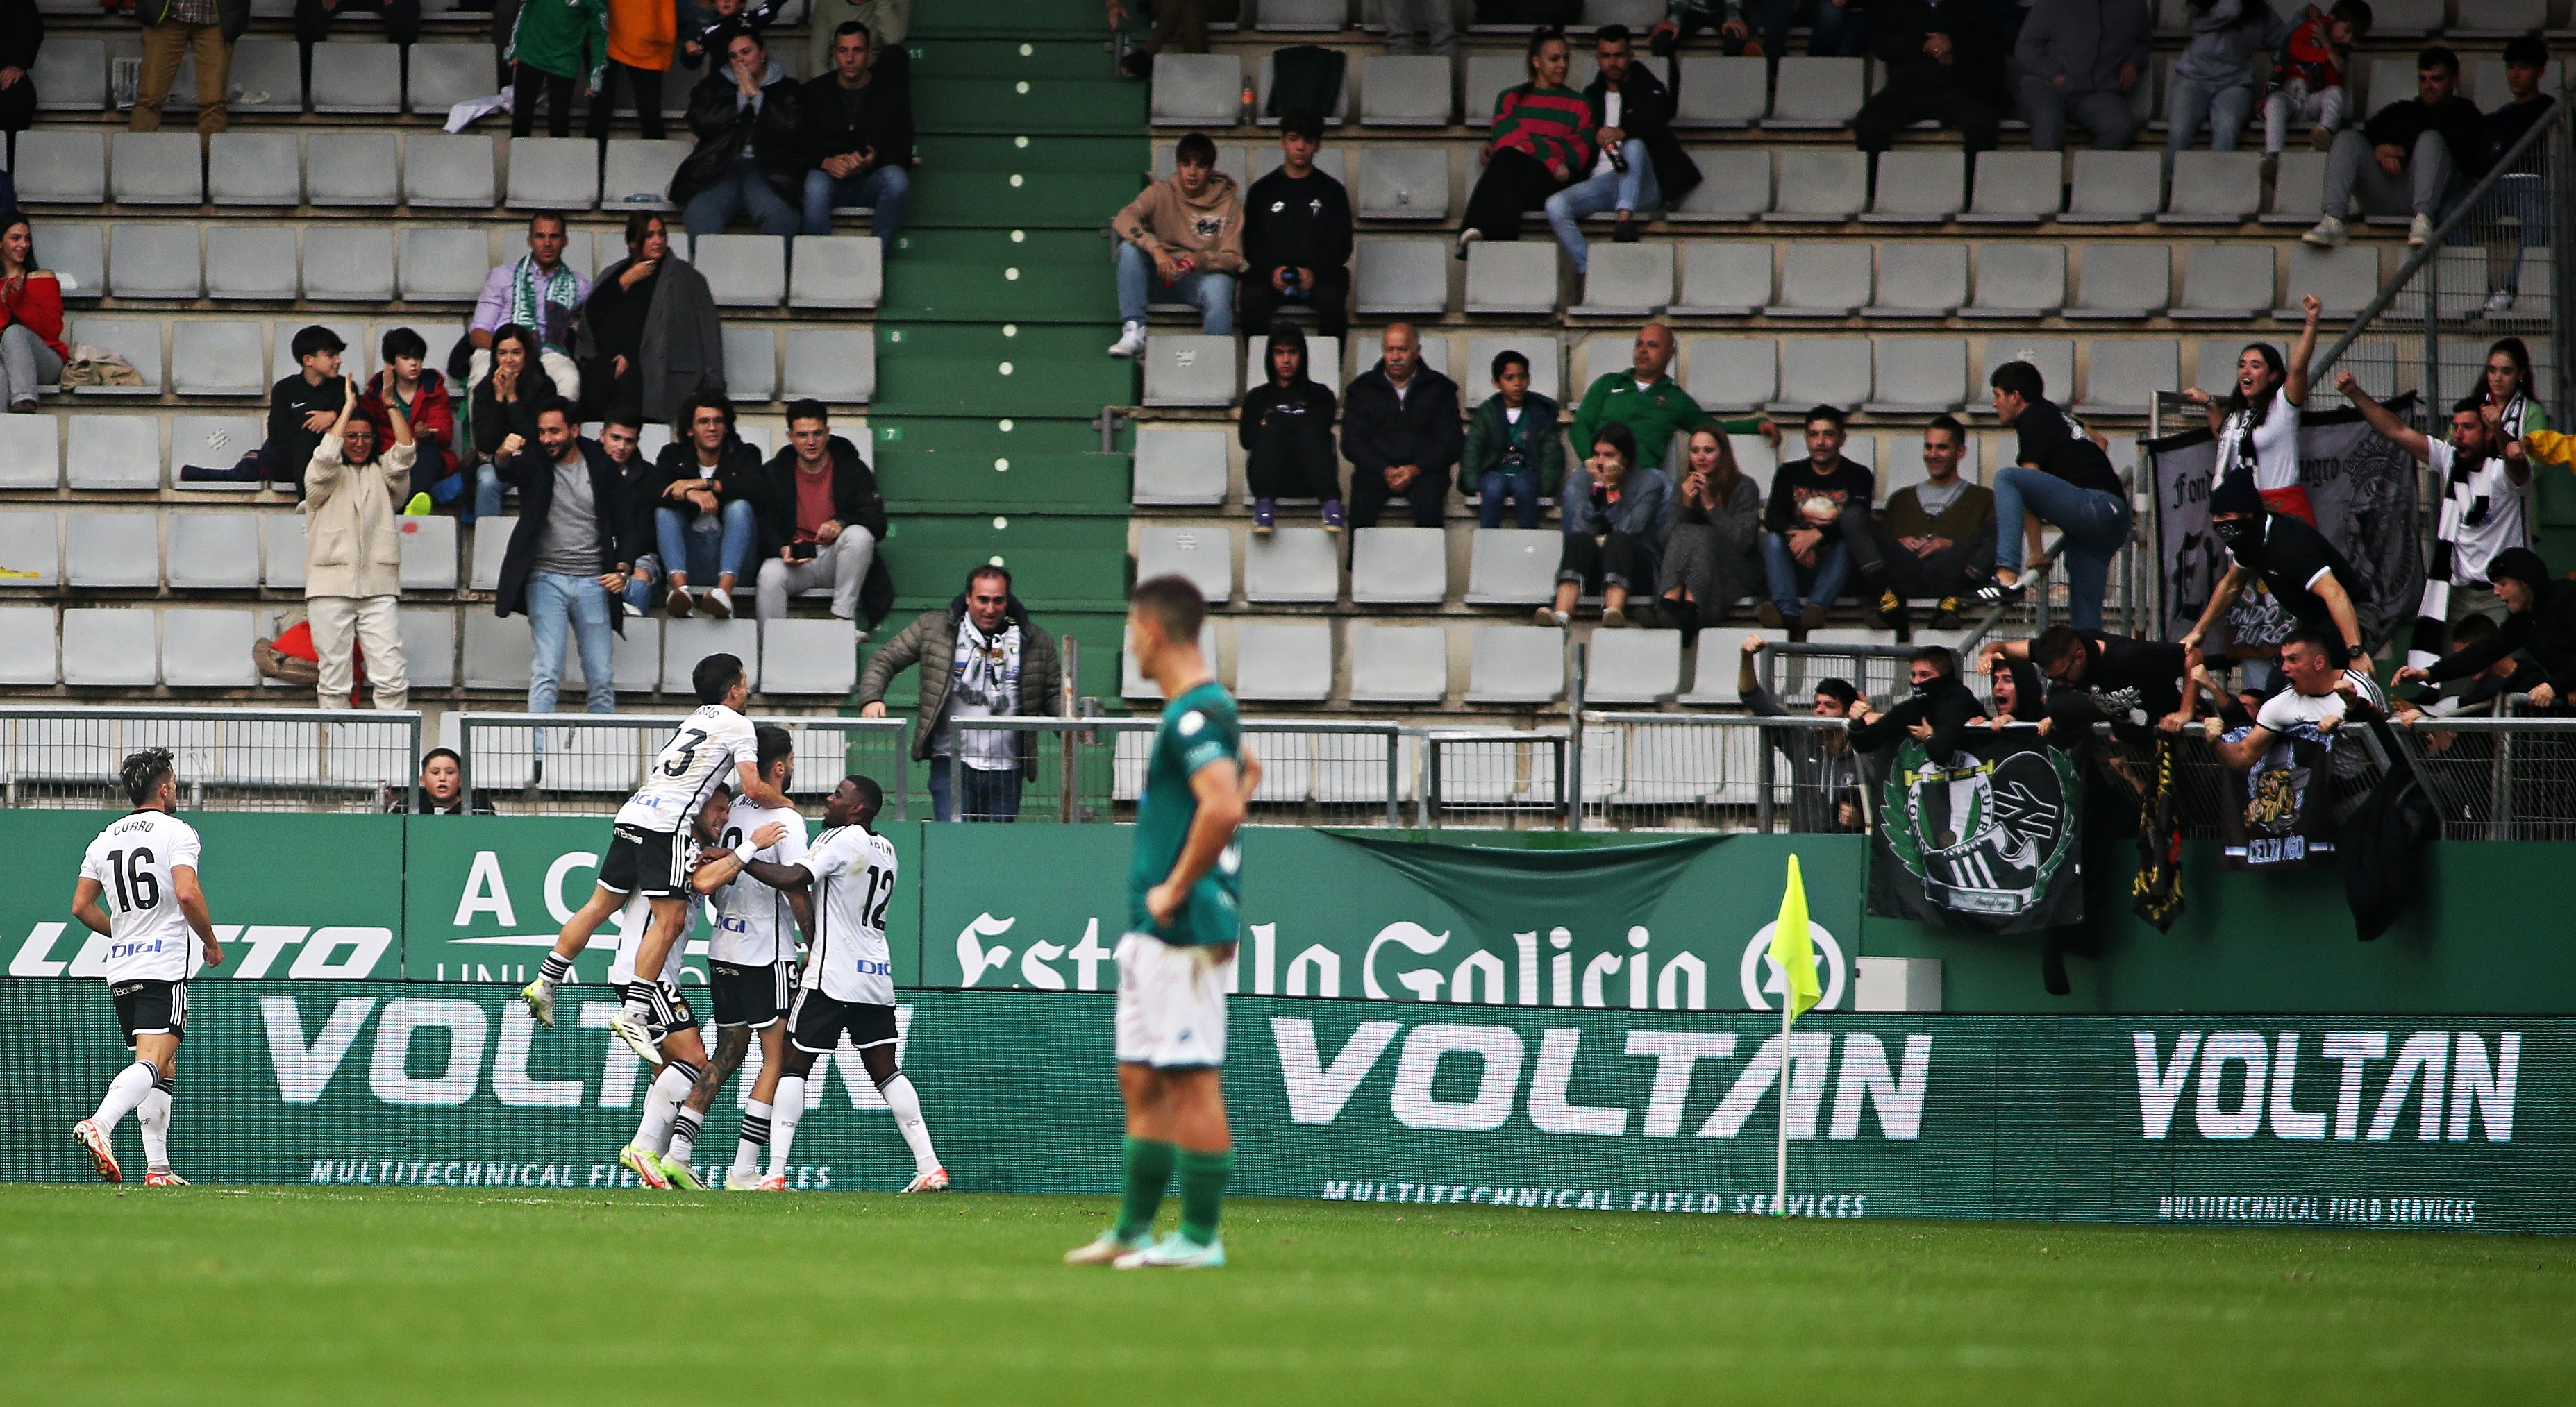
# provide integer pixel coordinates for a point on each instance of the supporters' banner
(2279, 813)
(1988, 838)
(2363, 490)
(2454, 1123)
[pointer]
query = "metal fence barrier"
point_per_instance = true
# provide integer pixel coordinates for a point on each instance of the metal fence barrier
(2497, 778)
(226, 759)
(1313, 772)
(1495, 778)
(1675, 771)
(585, 764)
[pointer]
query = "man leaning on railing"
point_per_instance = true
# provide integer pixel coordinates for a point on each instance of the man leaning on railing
(2540, 620)
(980, 657)
(1824, 771)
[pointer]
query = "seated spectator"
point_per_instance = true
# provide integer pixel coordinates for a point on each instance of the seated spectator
(2318, 696)
(2213, 80)
(1401, 434)
(442, 789)
(22, 33)
(640, 39)
(1614, 517)
(537, 291)
(1653, 406)
(2519, 192)
(1940, 706)
(204, 30)
(750, 156)
(1804, 545)
(649, 337)
(980, 656)
(501, 412)
(302, 408)
(1641, 165)
(31, 318)
(1180, 26)
(1513, 453)
(821, 520)
(1183, 237)
(2125, 681)
(353, 555)
(406, 387)
(1936, 538)
(566, 565)
(1297, 235)
(1833, 29)
(639, 482)
(1286, 429)
(2061, 476)
(2540, 620)
(2257, 422)
(2308, 76)
(1943, 62)
(1825, 777)
(706, 508)
(1419, 27)
(2412, 155)
(555, 47)
(717, 17)
(2303, 571)
(1712, 554)
(1685, 20)
(858, 134)
(2080, 60)
(1540, 143)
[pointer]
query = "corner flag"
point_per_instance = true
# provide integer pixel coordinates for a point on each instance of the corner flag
(1793, 949)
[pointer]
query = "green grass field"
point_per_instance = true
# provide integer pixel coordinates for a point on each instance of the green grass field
(287, 1295)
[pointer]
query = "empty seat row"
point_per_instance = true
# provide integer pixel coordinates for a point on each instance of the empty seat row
(1292, 662)
(74, 71)
(195, 549)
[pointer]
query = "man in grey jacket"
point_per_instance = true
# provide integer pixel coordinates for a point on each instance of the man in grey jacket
(2080, 60)
(980, 658)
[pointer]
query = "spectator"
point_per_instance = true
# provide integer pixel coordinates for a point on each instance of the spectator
(2540, 621)
(821, 520)
(1541, 141)
(1824, 772)
(2410, 155)
(2318, 696)
(539, 292)
(980, 657)
(1419, 27)
(1614, 515)
(717, 18)
(174, 29)
(1936, 538)
(1803, 540)
(648, 338)
(1286, 429)
(2081, 59)
(639, 489)
(1833, 29)
(1641, 163)
(1647, 400)
(2131, 682)
(566, 564)
(887, 22)
(2486, 490)
(1180, 25)
(1940, 706)
(1711, 551)
(303, 407)
(1401, 434)
(858, 134)
(555, 46)
(1513, 451)
(1297, 235)
(2257, 424)
(2016, 689)
(2482, 691)
(22, 34)
(2060, 475)
(353, 554)
(2519, 192)
(419, 395)
(2308, 76)
(2213, 81)
(706, 507)
(31, 318)
(749, 159)
(1685, 20)
(2510, 404)
(2304, 572)
(501, 411)
(441, 791)
(1941, 62)
(640, 38)
(1182, 236)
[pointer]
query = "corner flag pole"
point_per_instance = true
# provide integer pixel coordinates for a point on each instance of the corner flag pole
(1793, 955)
(1780, 1189)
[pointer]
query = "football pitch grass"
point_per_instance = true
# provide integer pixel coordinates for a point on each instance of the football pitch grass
(286, 1295)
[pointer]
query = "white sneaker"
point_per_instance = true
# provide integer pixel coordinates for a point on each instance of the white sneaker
(719, 603)
(1131, 341)
(2500, 301)
(1105, 1249)
(935, 1180)
(1174, 1252)
(2328, 234)
(2419, 233)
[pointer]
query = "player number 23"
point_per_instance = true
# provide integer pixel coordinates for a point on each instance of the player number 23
(136, 887)
(687, 743)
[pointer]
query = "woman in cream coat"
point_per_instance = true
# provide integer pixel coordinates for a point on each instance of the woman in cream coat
(353, 554)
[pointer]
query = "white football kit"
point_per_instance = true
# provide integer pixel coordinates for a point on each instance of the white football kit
(846, 957)
(754, 925)
(700, 757)
(148, 938)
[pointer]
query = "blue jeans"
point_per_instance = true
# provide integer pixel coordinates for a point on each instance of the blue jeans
(1521, 488)
(487, 491)
(1632, 189)
(990, 796)
(555, 602)
(641, 579)
(704, 547)
(2093, 526)
(2521, 197)
(2189, 104)
(884, 191)
(1823, 581)
(1138, 280)
(743, 191)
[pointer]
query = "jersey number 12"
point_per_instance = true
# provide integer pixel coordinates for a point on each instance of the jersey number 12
(875, 904)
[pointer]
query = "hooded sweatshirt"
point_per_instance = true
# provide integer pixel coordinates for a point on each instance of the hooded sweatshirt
(1207, 227)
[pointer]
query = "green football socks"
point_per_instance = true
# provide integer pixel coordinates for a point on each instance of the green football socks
(1203, 1179)
(1149, 1171)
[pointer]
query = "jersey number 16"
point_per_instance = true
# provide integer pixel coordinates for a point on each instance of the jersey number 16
(137, 889)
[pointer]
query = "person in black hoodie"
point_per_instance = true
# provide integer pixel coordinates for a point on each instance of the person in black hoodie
(1641, 165)
(706, 511)
(821, 518)
(22, 33)
(750, 157)
(1297, 235)
(858, 134)
(1942, 62)
(1402, 434)
(2410, 155)
(1287, 434)
(1940, 706)
(2540, 619)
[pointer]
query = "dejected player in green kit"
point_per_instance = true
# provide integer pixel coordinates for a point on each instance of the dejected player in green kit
(1184, 894)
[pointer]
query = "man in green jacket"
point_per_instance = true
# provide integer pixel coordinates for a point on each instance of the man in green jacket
(1650, 403)
(980, 657)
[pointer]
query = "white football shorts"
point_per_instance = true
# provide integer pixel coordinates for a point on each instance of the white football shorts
(1171, 1004)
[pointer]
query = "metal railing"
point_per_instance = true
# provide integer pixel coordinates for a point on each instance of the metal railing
(1313, 772)
(226, 759)
(2496, 778)
(1680, 771)
(579, 764)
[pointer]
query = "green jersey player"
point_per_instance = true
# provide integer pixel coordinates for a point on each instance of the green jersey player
(1184, 890)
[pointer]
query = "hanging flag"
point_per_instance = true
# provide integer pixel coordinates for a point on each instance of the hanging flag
(2156, 894)
(1793, 950)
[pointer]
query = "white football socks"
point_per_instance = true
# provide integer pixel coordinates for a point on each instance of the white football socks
(123, 1093)
(662, 1107)
(755, 1137)
(789, 1104)
(154, 1115)
(900, 1098)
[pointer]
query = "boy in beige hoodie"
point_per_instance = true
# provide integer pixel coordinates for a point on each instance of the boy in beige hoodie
(1182, 237)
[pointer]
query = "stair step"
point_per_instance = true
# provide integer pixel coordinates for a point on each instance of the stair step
(963, 369)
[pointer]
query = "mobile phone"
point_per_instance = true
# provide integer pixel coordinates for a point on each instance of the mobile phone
(802, 551)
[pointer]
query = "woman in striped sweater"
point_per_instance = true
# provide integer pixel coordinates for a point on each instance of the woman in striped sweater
(1542, 140)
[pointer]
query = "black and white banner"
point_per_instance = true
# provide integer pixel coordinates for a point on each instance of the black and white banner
(1988, 838)
(2279, 813)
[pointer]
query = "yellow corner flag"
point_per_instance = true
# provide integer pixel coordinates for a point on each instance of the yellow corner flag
(1793, 948)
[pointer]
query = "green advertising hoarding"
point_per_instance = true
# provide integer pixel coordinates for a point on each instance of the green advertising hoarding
(2464, 1123)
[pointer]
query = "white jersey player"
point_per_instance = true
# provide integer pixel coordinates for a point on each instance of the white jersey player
(144, 868)
(847, 987)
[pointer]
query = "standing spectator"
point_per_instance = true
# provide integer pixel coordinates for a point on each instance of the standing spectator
(1942, 62)
(1805, 543)
(441, 791)
(702, 25)
(1825, 777)
(1641, 163)
(2134, 682)
(1419, 27)
(1297, 235)
(1179, 26)
(2519, 191)
(1614, 515)
(566, 564)
(1541, 141)
(2308, 75)
(1514, 453)
(2257, 422)
(2411, 155)
(2305, 573)
(639, 485)
(302, 408)
(821, 520)
(1712, 552)
(174, 29)
(353, 554)
(555, 46)
(2060, 475)
(2081, 59)
(2540, 618)
(407, 387)
(2214, 78)
(858, 134)
(31, 318)
(1183, 235)
(887, 22)
(640, 39)
(648, 337)
(706, 507)
(313, 25)
(1286, 429)
(2486, 492)
(1647, 400)
(980, 657)
(1400, 432)
(2511, 404)
(501, 411)
(750, 154)
(539, 292)
(22, 33)
(1936, 538)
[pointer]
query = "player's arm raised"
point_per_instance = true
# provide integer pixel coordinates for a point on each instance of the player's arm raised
(192, 906)
(1220, 788)
(85, 905)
